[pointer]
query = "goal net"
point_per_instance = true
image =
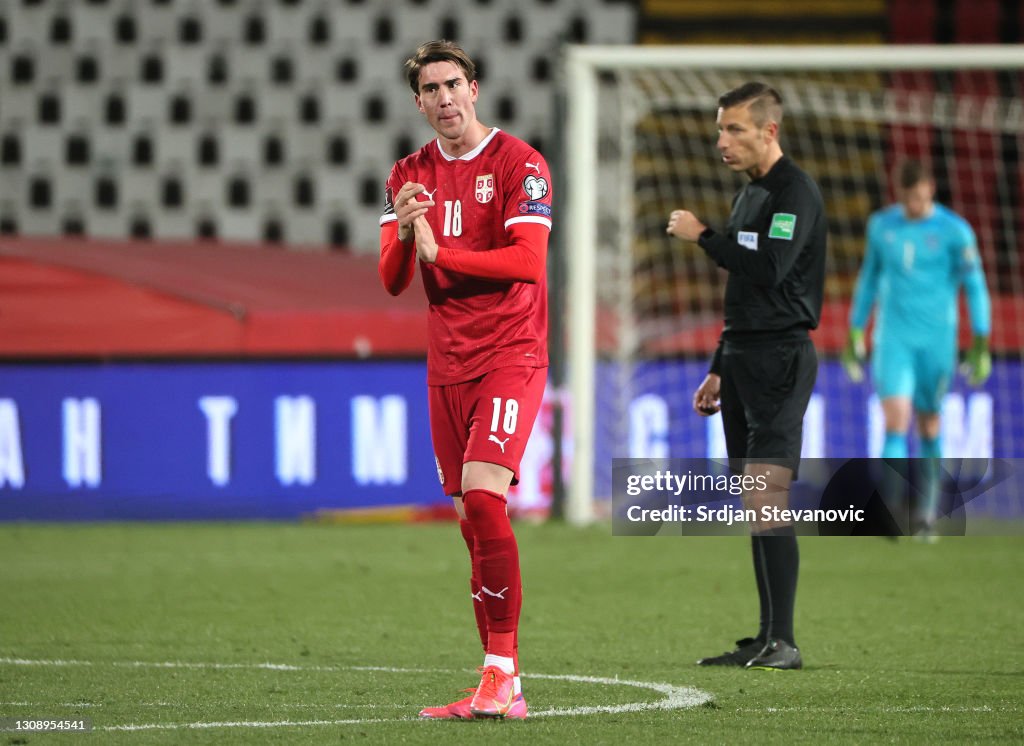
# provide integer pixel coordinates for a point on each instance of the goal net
(644, 311)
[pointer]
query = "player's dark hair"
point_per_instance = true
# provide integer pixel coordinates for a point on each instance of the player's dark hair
(765, 102)
(912, 172)
(440, 50)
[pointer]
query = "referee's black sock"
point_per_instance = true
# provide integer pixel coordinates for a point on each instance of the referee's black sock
(760, 574)
(781, 561)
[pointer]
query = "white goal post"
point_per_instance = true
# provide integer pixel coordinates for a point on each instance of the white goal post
(640, 137)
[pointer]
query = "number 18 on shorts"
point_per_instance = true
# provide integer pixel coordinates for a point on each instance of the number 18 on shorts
(486, 419)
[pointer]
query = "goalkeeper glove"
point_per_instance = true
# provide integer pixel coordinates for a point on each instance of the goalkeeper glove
(853, 355)
(978, 363)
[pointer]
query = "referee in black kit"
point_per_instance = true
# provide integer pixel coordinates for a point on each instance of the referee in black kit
(764, 368)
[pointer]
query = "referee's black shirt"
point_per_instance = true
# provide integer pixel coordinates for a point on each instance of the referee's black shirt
(775, 253)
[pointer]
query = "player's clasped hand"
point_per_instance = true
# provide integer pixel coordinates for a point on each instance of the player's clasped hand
(408, 207)
(426, 246)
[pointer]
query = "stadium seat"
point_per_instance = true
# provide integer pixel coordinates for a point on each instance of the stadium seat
(976, 83)
(49, 108)
(206, 225)
(304, 191)
(244, 110)
(126, 28)
(73, 224)
(22, 68)
(87, 69)
(217, 70)
(143, 149)
(140, 226)
(976, 21)
(172, 191)
(151, 68)
(281, 69)
(147, 109)
(273, 229)
(207, 150)
(337, 149)
(273, 150)
(10, 149)
(106, 193)
(238, 192)
(338, 234)
(179, 109)
(77, 151)
(912, 21)
(254, 30)
(346, 69)
(190, 30)
(40, 192)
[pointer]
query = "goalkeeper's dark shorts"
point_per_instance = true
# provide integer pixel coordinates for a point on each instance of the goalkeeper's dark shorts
(765, 390)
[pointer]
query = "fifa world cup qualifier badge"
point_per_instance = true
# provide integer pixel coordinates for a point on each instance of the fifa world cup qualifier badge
(536, 187)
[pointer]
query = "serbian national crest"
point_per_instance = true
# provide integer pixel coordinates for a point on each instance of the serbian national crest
(484, 188)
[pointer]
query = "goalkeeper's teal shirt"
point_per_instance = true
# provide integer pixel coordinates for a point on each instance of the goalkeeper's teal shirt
(914, 270)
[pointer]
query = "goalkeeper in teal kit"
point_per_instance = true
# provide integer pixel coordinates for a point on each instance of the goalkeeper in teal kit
(919, 254)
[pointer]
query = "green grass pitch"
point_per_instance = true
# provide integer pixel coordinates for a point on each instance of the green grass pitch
(168, 627)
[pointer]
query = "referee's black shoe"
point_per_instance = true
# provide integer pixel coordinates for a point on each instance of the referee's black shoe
(746, 650)
(777, 655)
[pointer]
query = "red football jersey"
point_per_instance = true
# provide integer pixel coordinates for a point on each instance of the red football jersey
(476, 325)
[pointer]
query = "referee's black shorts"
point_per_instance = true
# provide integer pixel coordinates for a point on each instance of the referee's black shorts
(765, 388)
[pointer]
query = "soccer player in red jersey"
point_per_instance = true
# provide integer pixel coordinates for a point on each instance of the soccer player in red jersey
(474, 207)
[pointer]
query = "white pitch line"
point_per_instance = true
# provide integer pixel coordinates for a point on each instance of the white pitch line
(51, 704)
(172, 664)
(277, 705)
(676, 697)
(887, 709)
(262, 666)
(57, 662)
(392, 669)
(245, 724)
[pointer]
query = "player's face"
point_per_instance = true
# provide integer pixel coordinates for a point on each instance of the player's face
(917, 200)
(447, 99)
(741, 142)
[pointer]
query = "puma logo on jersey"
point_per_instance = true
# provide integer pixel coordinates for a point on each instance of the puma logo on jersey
(430, 195)
(499, 594)
(501, 443)
(534, 166)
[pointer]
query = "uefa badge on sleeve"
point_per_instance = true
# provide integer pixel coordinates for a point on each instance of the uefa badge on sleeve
(484, 188)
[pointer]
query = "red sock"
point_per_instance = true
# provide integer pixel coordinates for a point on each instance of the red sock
(515, 649)
(498, 555)
(474, 583)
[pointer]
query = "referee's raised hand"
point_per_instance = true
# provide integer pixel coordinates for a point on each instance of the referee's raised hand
(685, 225)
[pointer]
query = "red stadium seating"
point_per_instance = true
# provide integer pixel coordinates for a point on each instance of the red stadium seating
(91, 298)
(976, 21)
(912, 21)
